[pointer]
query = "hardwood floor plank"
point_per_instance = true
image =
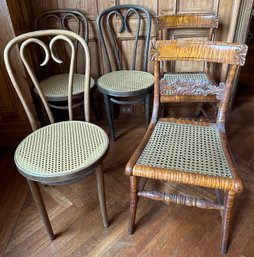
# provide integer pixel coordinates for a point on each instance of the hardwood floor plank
(14, 189)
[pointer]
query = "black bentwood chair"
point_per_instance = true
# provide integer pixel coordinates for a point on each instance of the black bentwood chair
(125, 55)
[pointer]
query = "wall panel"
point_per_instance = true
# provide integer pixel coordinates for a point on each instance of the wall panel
(197, 6)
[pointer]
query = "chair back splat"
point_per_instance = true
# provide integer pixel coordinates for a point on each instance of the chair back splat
(62, 152)
(66, 19)
(189, 152)
(188, 21)
(189, 26)
(115, 21)
(33, 37)
(53, 77)
(216, 52)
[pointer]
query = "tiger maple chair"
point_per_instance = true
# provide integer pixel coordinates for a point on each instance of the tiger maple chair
(62, 152)
(205, 25)
(189, 152)
(55, 85)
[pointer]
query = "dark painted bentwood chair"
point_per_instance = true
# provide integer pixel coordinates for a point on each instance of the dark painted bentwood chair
(190, 152)
(55, 86)
(125, 55)
(62, 152)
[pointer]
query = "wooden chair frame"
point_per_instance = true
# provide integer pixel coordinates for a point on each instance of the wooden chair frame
(218, 52)
(33, 179)
(60, 19)
(188, 21)
(115, 62)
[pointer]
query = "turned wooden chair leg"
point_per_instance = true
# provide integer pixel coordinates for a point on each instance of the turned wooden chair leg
(109, 116)
(42, 210)
(229, 202)
(133, 203)
(101, 194)
(93, 105)
(147, 109)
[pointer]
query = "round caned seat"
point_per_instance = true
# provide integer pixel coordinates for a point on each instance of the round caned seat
(55, 88)
(60, 150)
(125, 83)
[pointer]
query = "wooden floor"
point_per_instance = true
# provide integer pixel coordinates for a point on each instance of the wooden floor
(161, 230)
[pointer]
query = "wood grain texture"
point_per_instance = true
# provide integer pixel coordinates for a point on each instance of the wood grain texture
(200, 51)
(188, 21)
(155, 167)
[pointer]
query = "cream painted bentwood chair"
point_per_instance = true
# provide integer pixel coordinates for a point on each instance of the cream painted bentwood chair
(62, 152)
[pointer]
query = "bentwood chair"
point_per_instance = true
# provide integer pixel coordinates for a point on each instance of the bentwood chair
(125, 55)
(184, 26)
(62, 152)
(55, 85)
(189, 152)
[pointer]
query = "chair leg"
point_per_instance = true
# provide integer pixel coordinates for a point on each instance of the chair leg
(133, 203)
(198, 110)
(147, 109)
(109, 116)
(229, 202)
(40, 204)
(101, 194)
(93, 105)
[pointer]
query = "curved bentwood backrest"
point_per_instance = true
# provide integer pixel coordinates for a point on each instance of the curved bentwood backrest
(35, 37)
(120, 16)
(232, 54)
(66, 19)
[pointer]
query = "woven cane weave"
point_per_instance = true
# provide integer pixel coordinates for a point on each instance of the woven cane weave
(171, 79)
(57, 86)
(126, 81)
(188, 148)
(61, 148)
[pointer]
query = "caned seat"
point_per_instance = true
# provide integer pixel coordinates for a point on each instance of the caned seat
(62, 152)
(55, 88)
(204, 26)
(125, 80)
(65, 148)
(186, 151)
(178, 147)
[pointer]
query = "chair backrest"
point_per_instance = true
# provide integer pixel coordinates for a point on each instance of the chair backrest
(189, 21)
(232, 54)
(186, 26)
(66, 19)
(115, 22)
(36, 37)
